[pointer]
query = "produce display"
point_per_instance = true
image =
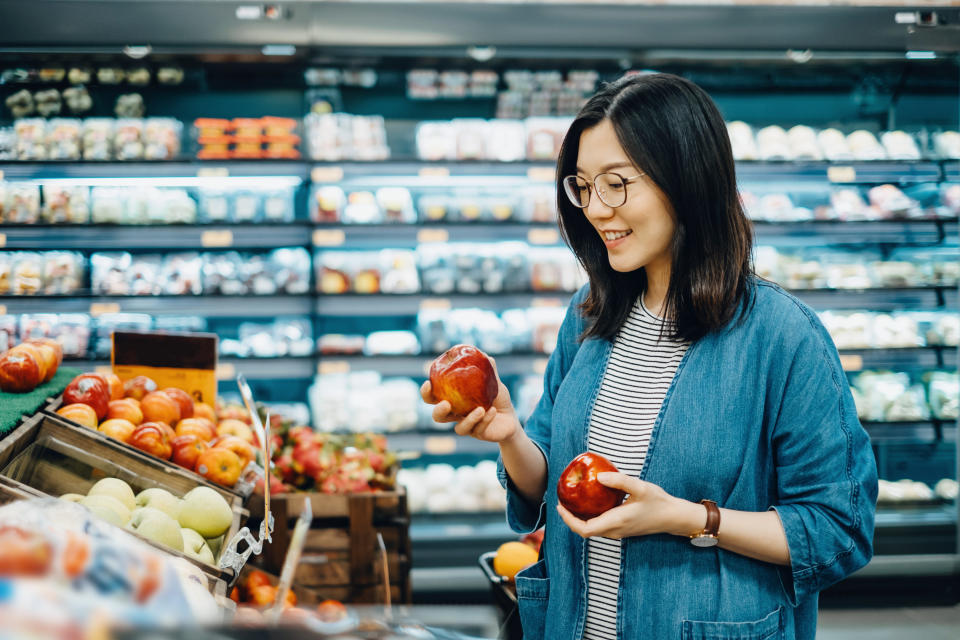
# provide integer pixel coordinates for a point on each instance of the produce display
(443, 488)
(906, 490)
(334, 137)
(165, 423)
(184, 524)
(579, 490)
(902, 396)
(131, 138)
(29, 364)
(27, 273)
(247, 138)
(902, 329)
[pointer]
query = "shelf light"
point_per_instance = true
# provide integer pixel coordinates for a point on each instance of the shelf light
(219, 182)
(921, 55)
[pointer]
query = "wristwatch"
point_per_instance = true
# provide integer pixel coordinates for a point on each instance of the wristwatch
(708, 536)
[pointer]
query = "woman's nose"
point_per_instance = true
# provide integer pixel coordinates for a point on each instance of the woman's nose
(596, 209)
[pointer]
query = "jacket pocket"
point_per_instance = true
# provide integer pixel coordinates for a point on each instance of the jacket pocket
(533, 589)
(769, 627)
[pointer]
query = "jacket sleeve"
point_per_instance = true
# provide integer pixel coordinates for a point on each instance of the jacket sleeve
(826, 470)
(523, 516)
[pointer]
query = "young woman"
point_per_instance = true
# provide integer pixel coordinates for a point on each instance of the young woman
(751, 484)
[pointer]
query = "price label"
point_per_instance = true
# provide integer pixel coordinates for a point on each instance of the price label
(433, 235)
(329, 237)
(440, 445)
(226, 371)
(1, 175)
(216, 238)
(543, 236)
(541, 174)
(458, 530)
(3, 239)
(326, 174)
(540, 366)
(103, 369)
(851, 362)
(213, 172)
(329, 367)
(442, 304)
(3, 309)
(100, 308)
(434, 172)
(546, 302)
(842, 174)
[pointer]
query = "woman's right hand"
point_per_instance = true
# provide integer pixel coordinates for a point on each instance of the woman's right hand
(499, 423)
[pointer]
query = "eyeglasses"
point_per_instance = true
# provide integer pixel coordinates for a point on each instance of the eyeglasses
(611, 189)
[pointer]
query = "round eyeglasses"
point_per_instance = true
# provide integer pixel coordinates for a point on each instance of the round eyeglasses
(611, 188)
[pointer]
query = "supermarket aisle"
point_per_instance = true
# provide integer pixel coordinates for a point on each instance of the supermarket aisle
(926, 623)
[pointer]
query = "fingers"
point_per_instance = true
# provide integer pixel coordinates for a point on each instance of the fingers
(441, 412)
(622, 481)
(606, 525)
(426, 392)
(465, 427)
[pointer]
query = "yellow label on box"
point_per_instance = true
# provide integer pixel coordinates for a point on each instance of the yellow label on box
(100, 308)
(543, 236)
(842, 174)
(326, 174)
(329, 237)
(541, 174)
(433, 235)
(103, 368)
(213, 172)
(851, 362)
(440, 445)
(3, 239)
(201, 384)
(434, 172)
(186, 361)
(216, 238)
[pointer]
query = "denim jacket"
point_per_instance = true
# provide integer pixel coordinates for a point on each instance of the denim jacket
(759, 416)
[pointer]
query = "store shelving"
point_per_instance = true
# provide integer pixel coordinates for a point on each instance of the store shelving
(209, 306)
(154, 237)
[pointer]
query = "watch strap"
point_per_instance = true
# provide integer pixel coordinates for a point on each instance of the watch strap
(712, 527)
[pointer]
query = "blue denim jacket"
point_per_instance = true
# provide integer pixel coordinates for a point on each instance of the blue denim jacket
(759, 416)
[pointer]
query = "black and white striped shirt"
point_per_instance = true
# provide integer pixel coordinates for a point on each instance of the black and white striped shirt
(640, 371)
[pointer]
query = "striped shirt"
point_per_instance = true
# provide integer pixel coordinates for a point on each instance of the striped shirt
(638, 375)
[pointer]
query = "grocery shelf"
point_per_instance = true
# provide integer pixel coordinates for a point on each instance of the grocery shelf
(879, 299)
(951, 170)
(56, 170)
(411, 304)
(901, 232)
(889, 515)
(910, 432)
(154, 237)
(208, 306)
(913, 357)
(511, 364)
(334, 236)
(874, 172)
(227, 368)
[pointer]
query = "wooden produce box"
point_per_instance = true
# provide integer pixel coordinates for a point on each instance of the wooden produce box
(11, 490)
(56, 403)
(341, 556)
(53, 457)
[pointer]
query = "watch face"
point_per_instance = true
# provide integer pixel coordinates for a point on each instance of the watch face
(703, 541)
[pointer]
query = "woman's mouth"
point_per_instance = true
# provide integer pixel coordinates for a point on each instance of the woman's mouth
(613, 238)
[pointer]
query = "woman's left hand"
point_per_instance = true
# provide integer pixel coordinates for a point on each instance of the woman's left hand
(647, 509)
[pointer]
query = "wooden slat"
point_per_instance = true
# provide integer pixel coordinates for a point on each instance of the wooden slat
(322, 540)
(334, 569)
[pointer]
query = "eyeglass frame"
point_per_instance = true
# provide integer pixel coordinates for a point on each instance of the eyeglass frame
(592, 186)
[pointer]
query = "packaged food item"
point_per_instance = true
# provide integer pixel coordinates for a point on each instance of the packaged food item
(8, 331)
(544, 137)
(362, 208)
(106, 324)
(340, 344)
(109, 204)
(143, 277)
(278, 205)
(865, 146)
(951, 198)
(803, 143)
(139, 76)
(6, 273)
(834, 145)
(170, 75)
(391, 343)
(941, 328)
(891, 202)
(886, 396)
(128, 139)
(215, 205)
(944, 394)
(63, 204)
(505, 141)
(110, 75)
(223, 274)
(98, 139)
(246, 206)
(437, 268)
(947, 144)
(27, 274)
(900, 145)
(31, 139)
(63, 272)
(8, 143)
(291, 270)
(399, 273)
(848, 204)
(22, 203)
(539, 204)
(108, 273)
(436, 141)
(433, 208)
(48, 103)
(130, 105)
(327, 203)
(180, 275)
(849, 330)
(741, 140)
(471, 136)
(895, 331)
(63, 139)
(773, 143)
(161, 138)
(396, 205)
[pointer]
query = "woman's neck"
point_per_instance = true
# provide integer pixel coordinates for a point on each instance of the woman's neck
(655, 295)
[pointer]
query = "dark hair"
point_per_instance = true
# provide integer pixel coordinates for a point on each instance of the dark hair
(672, 131)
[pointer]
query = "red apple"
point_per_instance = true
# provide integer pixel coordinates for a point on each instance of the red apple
(534, 539)
(234, 427)
(159, 407)
(19, 372)
(44, 360)
(276, 486)
(200, 427)
(203, 410)
(219, 465)
(117, 428)
(331, 611)
(53, 344)
(187, 449)
(183, 399)
(79, 413)
(115, 384)
(90, 389)
(579, 490)
(51, 358)
(149, 437)
(464, 377)
(255, 578)
(239, 446)
(125, 409)
(138, 387)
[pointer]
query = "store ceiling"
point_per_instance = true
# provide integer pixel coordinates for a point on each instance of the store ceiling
(406, 25)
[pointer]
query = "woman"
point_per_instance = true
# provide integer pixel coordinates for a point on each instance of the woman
(702, 383)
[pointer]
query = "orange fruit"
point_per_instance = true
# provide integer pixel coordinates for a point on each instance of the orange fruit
(512, 557)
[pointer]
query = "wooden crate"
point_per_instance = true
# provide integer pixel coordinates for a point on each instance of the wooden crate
(53, 457)
(56, 403)
(341, 557)
(11, 490)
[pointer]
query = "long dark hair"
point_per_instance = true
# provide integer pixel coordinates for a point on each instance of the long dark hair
(671, 130)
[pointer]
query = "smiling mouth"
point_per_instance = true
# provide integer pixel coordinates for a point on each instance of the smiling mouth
(610, 236)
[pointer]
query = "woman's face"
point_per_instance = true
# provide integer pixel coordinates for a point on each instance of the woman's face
(639, 232)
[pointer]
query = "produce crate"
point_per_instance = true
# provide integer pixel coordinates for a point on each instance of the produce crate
(56, 403)
(11, 490)
(305, 597)
(54, 457)
(341, 556)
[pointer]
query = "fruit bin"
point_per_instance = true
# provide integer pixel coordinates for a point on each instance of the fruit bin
(53, 457)
(56, 403)
(11, 490)
(341, 556)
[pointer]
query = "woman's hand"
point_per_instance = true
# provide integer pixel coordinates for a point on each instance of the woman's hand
(647, 510)
(497, 424)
